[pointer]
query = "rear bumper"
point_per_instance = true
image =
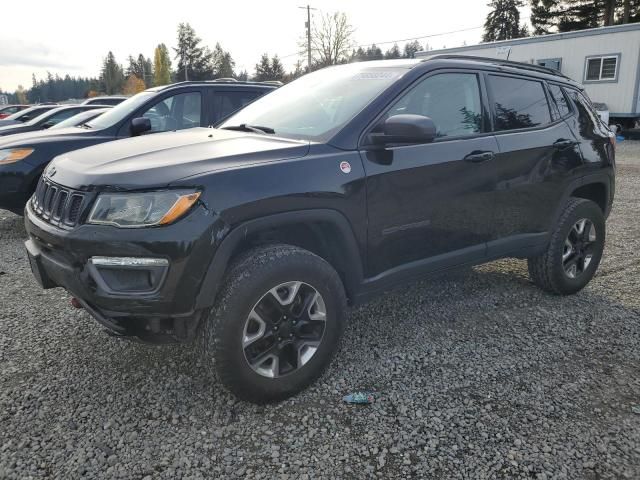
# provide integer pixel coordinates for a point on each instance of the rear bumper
(161, 309)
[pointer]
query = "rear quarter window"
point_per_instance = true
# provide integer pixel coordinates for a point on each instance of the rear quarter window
(518, 103)
(560, 100)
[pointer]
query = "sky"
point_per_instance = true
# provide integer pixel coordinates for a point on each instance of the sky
(66, 36)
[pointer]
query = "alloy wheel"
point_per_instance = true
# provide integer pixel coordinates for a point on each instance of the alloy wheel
(284, 329)
(579, 248)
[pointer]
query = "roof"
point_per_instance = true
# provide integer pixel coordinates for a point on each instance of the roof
(538, 39)
(499, 65)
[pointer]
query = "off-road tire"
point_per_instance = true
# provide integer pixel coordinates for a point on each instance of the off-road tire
(251, 276)
(547, 271)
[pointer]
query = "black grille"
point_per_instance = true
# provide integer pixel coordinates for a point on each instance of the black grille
(56, 204)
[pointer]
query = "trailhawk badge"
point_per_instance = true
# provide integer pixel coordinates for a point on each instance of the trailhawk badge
(345, 167)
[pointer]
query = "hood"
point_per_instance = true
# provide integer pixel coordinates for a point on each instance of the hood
(157, 160)
(42, 136)
(20, 128)
(4, 122)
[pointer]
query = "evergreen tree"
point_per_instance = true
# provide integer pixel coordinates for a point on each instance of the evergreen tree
(411, 48)
(112, 75)
(161, 66)
(373, 53)
(263, 69)
(277, 69)
(503, 22)
(145, 67)
(269, 69)
(194, 61)
(549, 16)
(393, 52)
(243, 76)
(223, 63)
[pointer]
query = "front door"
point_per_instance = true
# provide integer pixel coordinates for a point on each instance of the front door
(429, 205)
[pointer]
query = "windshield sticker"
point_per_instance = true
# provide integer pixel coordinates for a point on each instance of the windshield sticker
(375, 75)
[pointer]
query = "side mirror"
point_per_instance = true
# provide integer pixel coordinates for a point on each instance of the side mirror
(406, 128)
(48, 124)
(140, 125)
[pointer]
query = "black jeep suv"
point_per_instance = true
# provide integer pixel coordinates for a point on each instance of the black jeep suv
(255, 236)
(23, 157)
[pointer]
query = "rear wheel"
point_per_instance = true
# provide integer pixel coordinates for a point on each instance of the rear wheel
(574, 251)
(276, 323)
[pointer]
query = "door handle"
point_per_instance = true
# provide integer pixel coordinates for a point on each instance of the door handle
(477, 157)
(563, 143)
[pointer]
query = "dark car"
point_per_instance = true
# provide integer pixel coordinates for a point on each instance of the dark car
(26, 115)
(111, 100)
(330, 190)
(174, 107)
(47, 119)
(81, 118)
(7, 110)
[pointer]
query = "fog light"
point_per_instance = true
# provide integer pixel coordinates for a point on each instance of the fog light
(128, 275)
(129, 262)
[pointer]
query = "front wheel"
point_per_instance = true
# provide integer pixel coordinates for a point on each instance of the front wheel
(574, 251)
(276, 323)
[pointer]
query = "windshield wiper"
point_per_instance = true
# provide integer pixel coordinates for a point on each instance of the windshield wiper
(86, 126)
(244, 127)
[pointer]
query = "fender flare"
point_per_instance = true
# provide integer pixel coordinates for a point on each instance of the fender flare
(353, 271)
(602, 178)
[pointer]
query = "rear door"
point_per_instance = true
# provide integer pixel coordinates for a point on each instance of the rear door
(537, 151)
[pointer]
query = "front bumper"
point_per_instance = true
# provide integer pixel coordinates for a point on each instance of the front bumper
(16, 180)
(119, 298)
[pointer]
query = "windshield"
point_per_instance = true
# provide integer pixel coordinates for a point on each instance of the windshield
(120, 111)
(316, 106)
(29, 113)
(80, 118)
(44, 116)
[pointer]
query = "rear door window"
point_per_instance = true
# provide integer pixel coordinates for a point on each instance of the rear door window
(228, 102)
(518, 103)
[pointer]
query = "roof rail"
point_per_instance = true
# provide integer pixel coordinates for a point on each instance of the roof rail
(504, 63)
(229, 79)
(277, 83)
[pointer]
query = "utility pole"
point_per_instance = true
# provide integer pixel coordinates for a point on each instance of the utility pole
(308, 25)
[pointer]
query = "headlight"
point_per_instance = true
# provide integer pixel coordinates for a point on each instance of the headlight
(131, 210)
(12, 155)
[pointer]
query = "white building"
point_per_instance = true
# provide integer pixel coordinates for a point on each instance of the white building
(4, 100)
(605, 60)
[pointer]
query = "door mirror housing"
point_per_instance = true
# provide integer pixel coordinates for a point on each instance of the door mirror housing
(407, 129)
(48, 124)
(140, 125)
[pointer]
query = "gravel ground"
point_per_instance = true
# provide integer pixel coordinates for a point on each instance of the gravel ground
(479, 375)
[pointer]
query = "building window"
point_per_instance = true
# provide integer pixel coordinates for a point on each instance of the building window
(603, 68)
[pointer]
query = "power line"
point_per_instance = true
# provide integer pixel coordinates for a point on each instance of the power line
(412, 38)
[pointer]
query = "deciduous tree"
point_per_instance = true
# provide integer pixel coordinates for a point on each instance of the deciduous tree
(133, 85)
(161, 66)
(331, 39)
